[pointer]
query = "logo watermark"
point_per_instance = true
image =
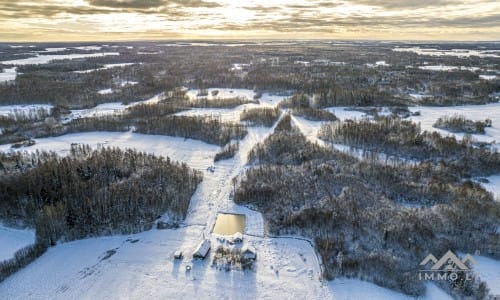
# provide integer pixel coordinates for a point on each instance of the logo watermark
(448, 267)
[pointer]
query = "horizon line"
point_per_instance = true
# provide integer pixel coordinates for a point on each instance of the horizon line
(245, 39)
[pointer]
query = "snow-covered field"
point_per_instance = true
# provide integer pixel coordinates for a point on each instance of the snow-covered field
(429, 115)
(43, 59)
(141, 266)
(489, 271)
(196, 154)
(106, 66)
(12, 239)
(448, 68)
(6, 110)
(344, 113)
(8, 74)
(463, 53)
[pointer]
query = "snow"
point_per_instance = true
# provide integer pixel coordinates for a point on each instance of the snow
(429, 115)
(106, 66)
(380, 63)
(128, 82)
(462, 53)
(43, 59)
(493, 185)
(8, 74)
(488, 270)
(196, 154)
(229, 114)
(99, 110)
(350, 289)
(419, 96)
(226, 114)
(105, 91)
(6, 110)
(286, 267)
(54, 50)
(12, 239)
(488, 77)
(448, 68)
(89, 48)
(239, 67)
(224, 93)
(346, 113)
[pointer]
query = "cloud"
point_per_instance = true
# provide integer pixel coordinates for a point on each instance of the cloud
(144, 4)
(147, 4)
(391, 4)
(318, 18)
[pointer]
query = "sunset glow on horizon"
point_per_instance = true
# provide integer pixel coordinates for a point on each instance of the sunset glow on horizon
(99, 20)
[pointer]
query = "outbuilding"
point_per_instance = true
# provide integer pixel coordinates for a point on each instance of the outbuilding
(202, 249)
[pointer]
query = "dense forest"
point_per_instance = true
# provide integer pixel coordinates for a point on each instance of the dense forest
(333, 74)
(404, 139)
(89, 193)
(370, 219)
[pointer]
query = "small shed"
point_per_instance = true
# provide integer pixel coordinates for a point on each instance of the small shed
(202, 249)
(249, 253)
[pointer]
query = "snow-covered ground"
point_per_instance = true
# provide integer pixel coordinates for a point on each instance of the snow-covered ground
(196, 154)
(225, 93)
(429, 115)
(493, 185)
(463, 53)
(345, 113)
(141, 266)
(12, 239)
(6, 110)
(448, 68)
(106, 66)
(488, 77)
(489, 271)
(100, 110)
(8, 74)
(352, 289)
(43, 59)
(105, 91)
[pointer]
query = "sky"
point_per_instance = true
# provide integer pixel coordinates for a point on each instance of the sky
(108, 20)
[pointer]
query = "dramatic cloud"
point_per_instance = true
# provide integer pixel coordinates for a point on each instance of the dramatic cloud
(146, 4)
(146, 19)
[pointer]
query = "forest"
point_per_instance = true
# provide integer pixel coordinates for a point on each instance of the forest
(405, 140)
(143, 118)
(89, 193)
(343, 75)
(370, 219)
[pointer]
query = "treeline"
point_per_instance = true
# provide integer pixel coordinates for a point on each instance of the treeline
(209, 129)
(227, 151)
(404, 139)
(261, 116)
(370, 220)
(458, 123)
(302, 105)
(93, 192)
(217, 102)
(143, 118)
(21, 258)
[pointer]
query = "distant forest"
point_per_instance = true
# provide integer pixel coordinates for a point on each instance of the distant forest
(341, 75)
